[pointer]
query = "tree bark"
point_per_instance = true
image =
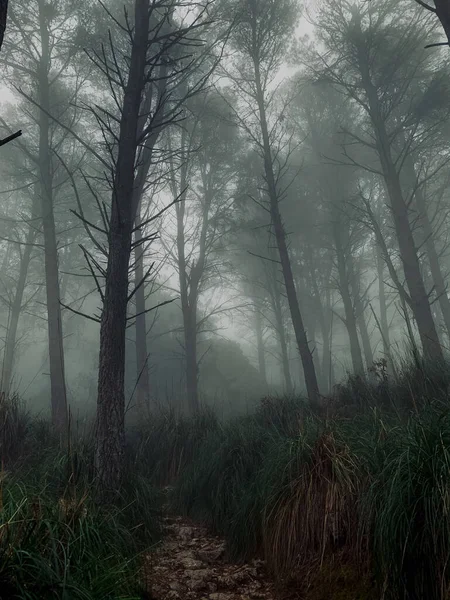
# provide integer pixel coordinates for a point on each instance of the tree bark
(3, 19)
(419, 298)
(110, 421)
(55, 333)
(309, 370)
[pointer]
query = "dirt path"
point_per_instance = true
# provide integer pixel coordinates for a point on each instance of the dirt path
(190, 565)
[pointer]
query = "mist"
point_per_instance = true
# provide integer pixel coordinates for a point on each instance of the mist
(224, 222)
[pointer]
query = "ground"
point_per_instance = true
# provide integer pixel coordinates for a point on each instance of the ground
(190, 564)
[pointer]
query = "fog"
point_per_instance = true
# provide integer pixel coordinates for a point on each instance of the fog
(212, 202)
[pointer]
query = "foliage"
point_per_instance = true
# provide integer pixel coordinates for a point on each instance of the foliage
(346, 495)
(55, 541)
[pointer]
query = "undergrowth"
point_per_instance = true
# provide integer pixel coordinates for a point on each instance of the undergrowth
(358, 489)
(55, 540)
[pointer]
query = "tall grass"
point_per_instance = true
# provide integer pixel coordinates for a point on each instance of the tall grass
(361, 490)
(166, 443)
(55, 541)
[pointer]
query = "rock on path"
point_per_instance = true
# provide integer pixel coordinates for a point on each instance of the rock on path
(190, 565)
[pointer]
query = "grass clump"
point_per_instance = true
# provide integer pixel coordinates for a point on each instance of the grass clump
(355, 495)
(64, 550)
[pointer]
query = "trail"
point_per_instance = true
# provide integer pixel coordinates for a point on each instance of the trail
(190, 564)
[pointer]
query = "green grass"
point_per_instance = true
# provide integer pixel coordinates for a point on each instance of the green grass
(66, 549)
(55, 540)
(166, 443)
(361, 489)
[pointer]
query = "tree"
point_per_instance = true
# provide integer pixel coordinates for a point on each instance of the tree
(367, 40)
(33, 57)
(132, 67)
(261, 34)
(202, 178)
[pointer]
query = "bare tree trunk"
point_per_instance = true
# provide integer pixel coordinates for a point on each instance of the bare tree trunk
(3, 19)
(260, 343)
(419, 298)
(110, 422)
(349, 309)
(15, 310)
(324, 322)
(55, 333)
(327, 358)
(275, 301)
(309, 371)
(365, 338)
(188, 297)
(190, 342)
(383, 307)
(312, 341)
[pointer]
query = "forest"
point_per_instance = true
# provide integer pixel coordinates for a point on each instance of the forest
(224, 305)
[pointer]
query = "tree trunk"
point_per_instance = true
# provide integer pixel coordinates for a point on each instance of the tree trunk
(309, 370)
(260, 344)
(55, 333)
(419, 298)
(324, 323)
(349, 309)
(384, 323)
(327, 360)
(365, 338)
(15, 310)
(110, 421)
(275, 301)
(430, 246)
(443, 12)
(360, 312)
(190, 342)
(3, 19)
(188, 302)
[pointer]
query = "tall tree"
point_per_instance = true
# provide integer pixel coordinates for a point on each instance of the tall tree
(366, 40)
(203, 179)
(39, 55)
(151, 47)
(261, 34)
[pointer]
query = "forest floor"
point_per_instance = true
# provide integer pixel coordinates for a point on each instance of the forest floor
(190, 564)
